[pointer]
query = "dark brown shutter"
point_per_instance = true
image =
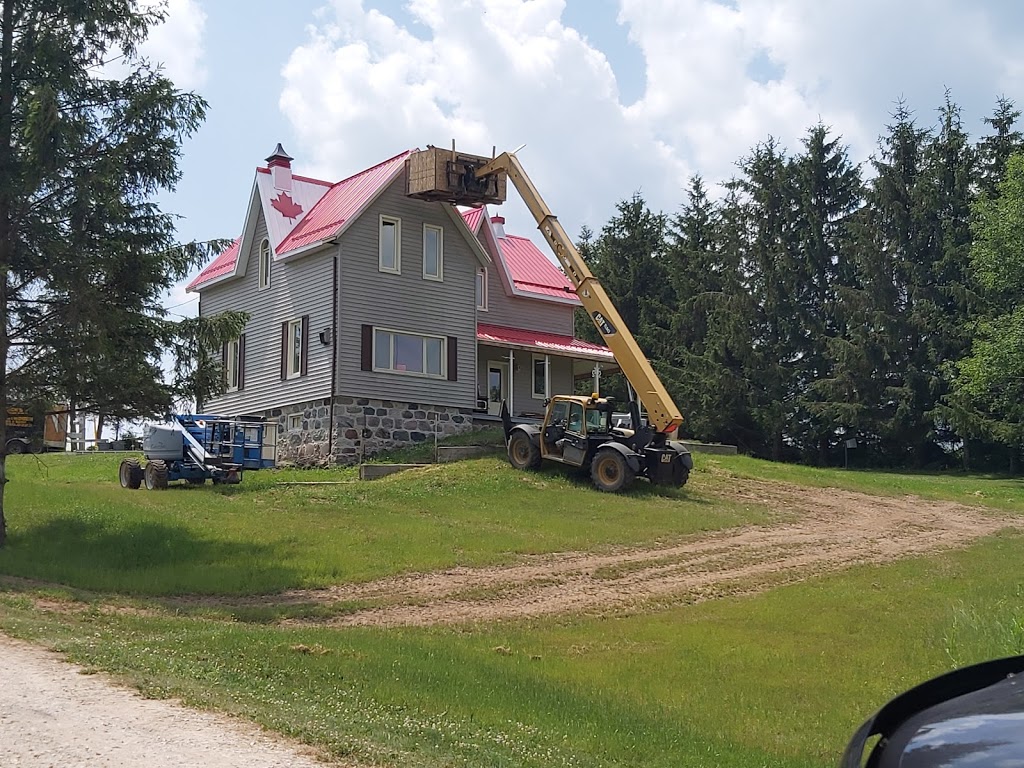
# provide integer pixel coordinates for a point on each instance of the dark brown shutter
(366, 348)
(224, 364)
(304, 361)
(284, 350)
(453, 359)
(241, 361)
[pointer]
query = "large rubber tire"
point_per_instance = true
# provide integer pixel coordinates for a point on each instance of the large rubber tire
(130, 474)
(522, 453)
(155, 476)
(611, 472)
(680, 474)
(15, 447)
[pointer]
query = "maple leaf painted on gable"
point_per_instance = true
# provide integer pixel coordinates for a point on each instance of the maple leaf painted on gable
(287, 207)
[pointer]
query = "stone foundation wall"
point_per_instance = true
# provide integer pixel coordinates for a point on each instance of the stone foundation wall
(309, 443)
(365, 426)
(362, 427)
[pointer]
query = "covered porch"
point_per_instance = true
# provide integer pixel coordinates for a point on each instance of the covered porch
(524, 368)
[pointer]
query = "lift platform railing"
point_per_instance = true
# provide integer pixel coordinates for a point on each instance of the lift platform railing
(214, 441)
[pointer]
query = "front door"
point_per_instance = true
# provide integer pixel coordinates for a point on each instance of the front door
(497, 386)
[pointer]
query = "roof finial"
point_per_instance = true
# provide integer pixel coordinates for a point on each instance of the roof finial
(279, 157)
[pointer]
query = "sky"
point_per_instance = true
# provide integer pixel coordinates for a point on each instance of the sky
(609, 97)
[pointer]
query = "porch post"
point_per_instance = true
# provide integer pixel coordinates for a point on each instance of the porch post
(511, 374)
(597, 378)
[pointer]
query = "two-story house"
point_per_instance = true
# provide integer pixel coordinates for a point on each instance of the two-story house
(376, 319)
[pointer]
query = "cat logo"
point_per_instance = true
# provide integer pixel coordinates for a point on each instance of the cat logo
(605, 327)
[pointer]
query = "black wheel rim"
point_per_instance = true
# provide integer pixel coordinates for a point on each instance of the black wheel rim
(608, 471)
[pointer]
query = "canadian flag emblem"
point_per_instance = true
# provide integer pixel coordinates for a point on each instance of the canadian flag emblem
(287, 207)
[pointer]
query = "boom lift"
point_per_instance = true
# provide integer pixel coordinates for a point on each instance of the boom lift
(576, 430)
(196, 448)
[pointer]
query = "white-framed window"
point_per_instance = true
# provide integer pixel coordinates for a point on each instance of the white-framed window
(409, 353)
(481, 289)
(390, 245)
(294, 421)
(294, 347)
(263, 280)
(232, 360)
(433, 252)
(541, 377)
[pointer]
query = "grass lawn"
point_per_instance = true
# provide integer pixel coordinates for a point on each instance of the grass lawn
(70, 522)
(782, 678)
(984, 490)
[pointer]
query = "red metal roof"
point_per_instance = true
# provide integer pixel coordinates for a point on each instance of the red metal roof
(224, 263)
(544, 342)
(338, 205)
(473, 217)
(344, 200)
(532, 272)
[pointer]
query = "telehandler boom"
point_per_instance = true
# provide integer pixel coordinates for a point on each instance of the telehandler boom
(662, 413)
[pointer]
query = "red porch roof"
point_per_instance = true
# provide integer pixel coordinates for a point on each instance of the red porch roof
(551, 343)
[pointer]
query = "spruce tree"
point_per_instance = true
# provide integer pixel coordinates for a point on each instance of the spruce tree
(710, 320)
(826, 190)
(994, 150)
(891, 235)
(769, 264)
(85, 254)
(628, 257)
(944, 294)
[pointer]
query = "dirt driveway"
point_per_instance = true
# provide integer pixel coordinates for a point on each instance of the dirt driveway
(829, 529)
(52, 715)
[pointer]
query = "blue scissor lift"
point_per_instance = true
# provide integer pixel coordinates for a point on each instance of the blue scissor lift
(197, 448)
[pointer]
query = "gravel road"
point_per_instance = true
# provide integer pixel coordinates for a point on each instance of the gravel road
(53, 716)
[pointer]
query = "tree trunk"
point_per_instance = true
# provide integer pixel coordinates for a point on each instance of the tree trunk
(6, 227)
(75, 427)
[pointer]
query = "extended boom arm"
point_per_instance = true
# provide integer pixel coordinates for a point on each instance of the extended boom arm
(662, 412)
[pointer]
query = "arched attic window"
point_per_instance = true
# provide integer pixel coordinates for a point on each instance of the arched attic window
(264, 276)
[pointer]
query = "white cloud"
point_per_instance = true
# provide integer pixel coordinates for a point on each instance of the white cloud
(489, 73)
(503, 72)
(177, 43)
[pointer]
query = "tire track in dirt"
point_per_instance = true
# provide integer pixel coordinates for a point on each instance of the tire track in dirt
(830, 529)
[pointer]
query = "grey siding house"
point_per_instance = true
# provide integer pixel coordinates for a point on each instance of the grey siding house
(377, 320)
